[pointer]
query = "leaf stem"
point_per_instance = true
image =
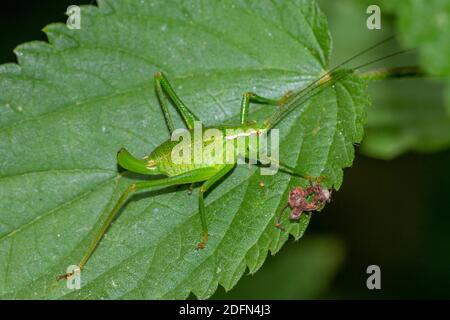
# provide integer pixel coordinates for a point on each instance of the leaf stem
(392, 73)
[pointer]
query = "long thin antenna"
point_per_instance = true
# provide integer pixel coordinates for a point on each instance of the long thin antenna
(305, 95)
(363, 52)
(357, 55)
(382, 58)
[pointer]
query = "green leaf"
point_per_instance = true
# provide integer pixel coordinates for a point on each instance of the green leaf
(407, 115)
(310, 267)
(69, 105)
(417, 116)
(425, 24)
(412, 118)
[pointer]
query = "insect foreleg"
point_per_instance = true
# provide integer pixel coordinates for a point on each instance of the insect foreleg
(162, 103)
(163, 86)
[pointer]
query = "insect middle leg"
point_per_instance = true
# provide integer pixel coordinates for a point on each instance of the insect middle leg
(208, 184)
(294, 172)
(288, 169)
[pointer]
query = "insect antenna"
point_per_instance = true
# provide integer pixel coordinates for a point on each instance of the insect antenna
(357, 55)
(323, 82)
(382, 58)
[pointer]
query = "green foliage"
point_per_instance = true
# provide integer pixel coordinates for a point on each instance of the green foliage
(70, 104)
(417, 118)
(406, 119)
(299, 271)
(407, 115)
(425, 24)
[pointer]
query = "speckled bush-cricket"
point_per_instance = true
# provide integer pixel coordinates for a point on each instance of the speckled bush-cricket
(160, 163)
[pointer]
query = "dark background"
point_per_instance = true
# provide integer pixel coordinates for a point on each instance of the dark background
(395, 214)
